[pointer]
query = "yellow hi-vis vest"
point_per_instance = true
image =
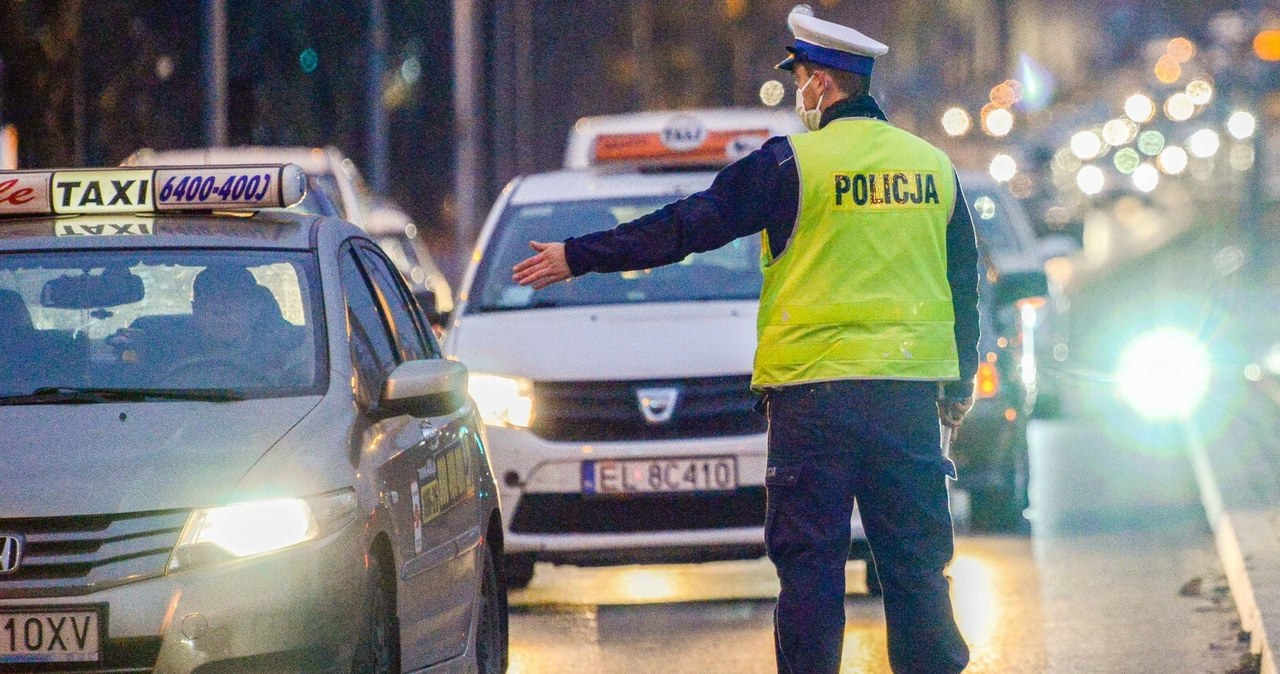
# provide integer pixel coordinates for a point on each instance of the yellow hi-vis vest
(860, 291)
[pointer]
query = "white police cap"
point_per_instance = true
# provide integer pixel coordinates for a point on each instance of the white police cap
(830, 44)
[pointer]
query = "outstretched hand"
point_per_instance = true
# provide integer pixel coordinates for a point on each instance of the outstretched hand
(546, 267)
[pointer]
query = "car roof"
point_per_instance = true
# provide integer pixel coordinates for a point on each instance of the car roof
(590, 184)
(267, 229)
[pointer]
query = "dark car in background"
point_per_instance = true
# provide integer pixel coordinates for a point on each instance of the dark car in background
(1016, 311)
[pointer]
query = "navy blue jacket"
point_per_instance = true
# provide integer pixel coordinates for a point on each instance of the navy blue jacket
(761, 192)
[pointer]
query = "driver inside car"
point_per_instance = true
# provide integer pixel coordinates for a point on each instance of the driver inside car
(236, 337)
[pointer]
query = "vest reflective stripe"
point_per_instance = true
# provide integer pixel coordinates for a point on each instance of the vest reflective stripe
(858, 350)
(861, 312)
(860, 292)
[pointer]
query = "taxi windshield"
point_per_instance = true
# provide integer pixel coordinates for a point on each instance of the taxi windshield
(159, 324)
(731, 272)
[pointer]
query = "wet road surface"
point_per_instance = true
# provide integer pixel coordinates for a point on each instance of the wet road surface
(1118, 575)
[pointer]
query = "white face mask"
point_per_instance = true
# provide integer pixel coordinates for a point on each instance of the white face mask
(812, 119)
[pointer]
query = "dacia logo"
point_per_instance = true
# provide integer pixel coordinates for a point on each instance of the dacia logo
(657, 404)
(10, 553)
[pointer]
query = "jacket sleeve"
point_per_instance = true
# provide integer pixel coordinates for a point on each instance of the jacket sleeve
(962, 275)
(755, 193)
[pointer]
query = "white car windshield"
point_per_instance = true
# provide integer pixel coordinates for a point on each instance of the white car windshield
(89, 326)
(731, 272)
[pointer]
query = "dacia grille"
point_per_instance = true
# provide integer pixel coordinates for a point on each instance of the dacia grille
(579, 514)
(603, 411)
(65, 556)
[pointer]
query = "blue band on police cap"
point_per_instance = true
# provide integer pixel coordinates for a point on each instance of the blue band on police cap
(833, 58)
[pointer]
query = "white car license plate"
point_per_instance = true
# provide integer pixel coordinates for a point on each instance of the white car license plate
(50, 634)
(655, 476)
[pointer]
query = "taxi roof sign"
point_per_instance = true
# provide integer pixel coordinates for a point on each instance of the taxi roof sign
(708, 137)
(148, 190)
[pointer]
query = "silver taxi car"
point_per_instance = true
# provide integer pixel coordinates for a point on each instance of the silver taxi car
(229, 441)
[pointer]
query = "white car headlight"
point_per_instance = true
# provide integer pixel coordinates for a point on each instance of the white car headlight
(503, 401)
(1164, 374)
(257, 527)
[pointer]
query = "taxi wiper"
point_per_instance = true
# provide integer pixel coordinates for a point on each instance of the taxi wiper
(55, 395)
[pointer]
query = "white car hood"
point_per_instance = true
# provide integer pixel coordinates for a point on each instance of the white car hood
(612, 342)
(133, 457)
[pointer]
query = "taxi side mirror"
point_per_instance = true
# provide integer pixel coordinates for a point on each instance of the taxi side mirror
(425, 388)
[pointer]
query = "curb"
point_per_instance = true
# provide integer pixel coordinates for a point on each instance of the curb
(1234, 559)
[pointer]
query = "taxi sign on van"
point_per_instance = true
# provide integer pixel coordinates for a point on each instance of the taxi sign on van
(698, 139)
(138, 190)
(679, 143)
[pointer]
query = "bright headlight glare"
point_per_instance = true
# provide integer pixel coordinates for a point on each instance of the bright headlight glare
(503, 401)
(1164, 374)
(258, 527)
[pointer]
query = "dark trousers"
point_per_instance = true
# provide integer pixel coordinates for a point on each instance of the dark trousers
(878, 442)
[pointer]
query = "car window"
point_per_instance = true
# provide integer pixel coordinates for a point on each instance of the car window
(407, 331)
(731, 272)
(404, 256)
(999, 220)
(161, 319)
(372, 351)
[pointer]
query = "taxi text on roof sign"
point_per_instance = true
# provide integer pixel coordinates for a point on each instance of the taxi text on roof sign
(134, 190)
(682, 140)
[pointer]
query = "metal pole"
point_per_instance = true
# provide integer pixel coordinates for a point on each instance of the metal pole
(467, 121)
(377, 111)
(642, 46)
(79, 116)
(215, 72)
(524, 88)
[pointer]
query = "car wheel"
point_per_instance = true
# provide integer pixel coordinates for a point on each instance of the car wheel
(518, 569)
(491, 630)
(378, 651)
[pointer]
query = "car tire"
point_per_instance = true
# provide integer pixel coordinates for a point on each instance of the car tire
(378, 650)
(518, 570)
(491, 627)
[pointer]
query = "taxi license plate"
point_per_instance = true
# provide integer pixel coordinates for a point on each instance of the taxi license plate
(658, 476)
(47, 634)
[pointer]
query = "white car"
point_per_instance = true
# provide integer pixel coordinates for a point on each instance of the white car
(230, 444)
(619, 406)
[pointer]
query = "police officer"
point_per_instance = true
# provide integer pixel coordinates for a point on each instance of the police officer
(868, 333)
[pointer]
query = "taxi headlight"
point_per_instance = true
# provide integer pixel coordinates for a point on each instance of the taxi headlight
(257, 527)
(503, 401)
(1164, 374)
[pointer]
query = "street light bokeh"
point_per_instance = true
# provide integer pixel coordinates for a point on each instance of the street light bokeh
(1140, 108)
(1241, 125)
(1091, 180)
(956, 122)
